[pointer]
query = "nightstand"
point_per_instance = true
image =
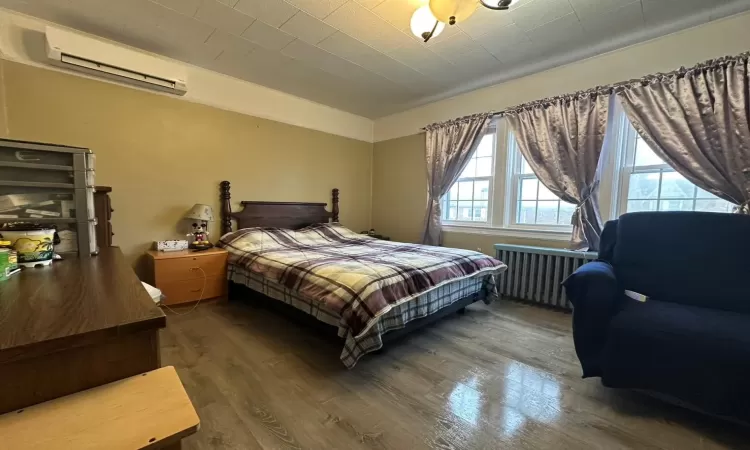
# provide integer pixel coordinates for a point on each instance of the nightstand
(187, 276)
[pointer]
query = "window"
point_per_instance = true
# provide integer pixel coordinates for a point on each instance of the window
(469, 198)
(649, 184)
(532, 202)
(498, 193)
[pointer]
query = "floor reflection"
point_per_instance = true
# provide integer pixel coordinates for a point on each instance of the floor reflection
(465, 401)
(529, 395)
(509, 401)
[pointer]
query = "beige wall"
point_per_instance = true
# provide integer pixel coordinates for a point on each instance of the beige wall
(161, 154)
(399, 182)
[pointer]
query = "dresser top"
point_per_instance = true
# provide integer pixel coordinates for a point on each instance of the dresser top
(185, 253)
(73, 302)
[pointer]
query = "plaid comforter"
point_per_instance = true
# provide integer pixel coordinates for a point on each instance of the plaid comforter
(358, 277)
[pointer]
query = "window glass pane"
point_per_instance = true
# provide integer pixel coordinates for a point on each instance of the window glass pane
(644, 185)
(452, 210)
(480, 211)
(486, 145)
(465, 190)
(481, 190)
(644, 156)
(674, 185)
(484, 167)
(704, 194)
(529, 188)
(525, 167)
(464, 211)
(641, 205)
(547, 212)
(546, 194)
(470, 169)
(676, 205)
(714, 205)
(566, 213)
(453, 193)
(526, 212)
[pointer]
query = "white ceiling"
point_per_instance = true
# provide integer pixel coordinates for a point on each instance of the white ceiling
(359, 55)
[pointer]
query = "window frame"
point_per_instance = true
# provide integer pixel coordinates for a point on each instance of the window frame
(445, 201)
(626, 168)
(513, 193)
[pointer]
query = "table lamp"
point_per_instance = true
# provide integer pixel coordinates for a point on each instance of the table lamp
(202, 214)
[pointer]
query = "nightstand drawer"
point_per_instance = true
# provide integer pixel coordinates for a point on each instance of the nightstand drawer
(190, 290)
(189, 268)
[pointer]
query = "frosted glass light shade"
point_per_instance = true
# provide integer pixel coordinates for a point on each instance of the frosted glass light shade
(453, 11)
(422, 21)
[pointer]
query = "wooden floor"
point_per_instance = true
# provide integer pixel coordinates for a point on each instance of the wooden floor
(500, 376)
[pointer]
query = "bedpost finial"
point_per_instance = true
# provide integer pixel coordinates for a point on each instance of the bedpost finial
(226, 207)
(335, 207)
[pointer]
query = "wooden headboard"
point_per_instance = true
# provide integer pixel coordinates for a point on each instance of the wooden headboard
(291, 215)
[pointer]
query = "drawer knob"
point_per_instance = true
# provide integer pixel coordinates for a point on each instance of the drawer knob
(195, 268)
(195, 290)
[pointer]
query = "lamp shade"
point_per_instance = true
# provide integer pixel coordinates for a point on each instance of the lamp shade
(424, 22)
(200, 212)
(453, 11)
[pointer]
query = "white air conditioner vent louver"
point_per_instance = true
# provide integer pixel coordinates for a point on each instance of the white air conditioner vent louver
(76, 52)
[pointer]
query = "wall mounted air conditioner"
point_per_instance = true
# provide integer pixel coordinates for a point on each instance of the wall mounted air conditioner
(75, 52)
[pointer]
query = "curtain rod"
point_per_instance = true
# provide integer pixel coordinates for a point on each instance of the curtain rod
(605, 89)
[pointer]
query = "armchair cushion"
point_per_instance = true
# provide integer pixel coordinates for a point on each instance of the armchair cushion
(685, 257)
(699, 355)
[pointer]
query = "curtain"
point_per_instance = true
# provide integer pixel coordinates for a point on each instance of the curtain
(562, 138)
(697, 121)
(449, 146)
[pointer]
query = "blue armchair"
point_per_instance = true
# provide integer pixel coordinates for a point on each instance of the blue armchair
(690, 341)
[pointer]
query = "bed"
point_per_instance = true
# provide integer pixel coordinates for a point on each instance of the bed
(296, 258)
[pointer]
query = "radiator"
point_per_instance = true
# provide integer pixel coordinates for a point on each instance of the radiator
(535, 274)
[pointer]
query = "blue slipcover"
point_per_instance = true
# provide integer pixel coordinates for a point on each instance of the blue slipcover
(691, 339)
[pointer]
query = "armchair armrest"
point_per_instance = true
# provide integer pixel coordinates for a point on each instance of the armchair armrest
(596, 296)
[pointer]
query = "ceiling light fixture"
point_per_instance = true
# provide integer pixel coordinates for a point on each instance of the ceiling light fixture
(424, 25)
(497, 5)
(429, 21)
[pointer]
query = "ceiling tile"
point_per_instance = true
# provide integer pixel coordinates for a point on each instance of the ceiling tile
(534, 13)
(508, 44)
(187, 7)
(484, 21)
(476, 63)
(370, 4)
(272, 12)
(182, 27)
(660, 11)
(230, 3)
(267, 36)
(588, 9)
(223, 17)
(626, 19)
(559, 36)
(223, 41)
(318, 8)
(458, 43)
(308, 28)
(419, 58)
(398, 12)
(356, 20)
(347, 47)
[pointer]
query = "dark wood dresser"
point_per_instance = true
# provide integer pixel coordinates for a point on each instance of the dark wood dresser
(77, 324)
(103, 213)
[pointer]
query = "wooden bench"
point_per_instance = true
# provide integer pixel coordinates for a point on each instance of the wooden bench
(147, 411)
